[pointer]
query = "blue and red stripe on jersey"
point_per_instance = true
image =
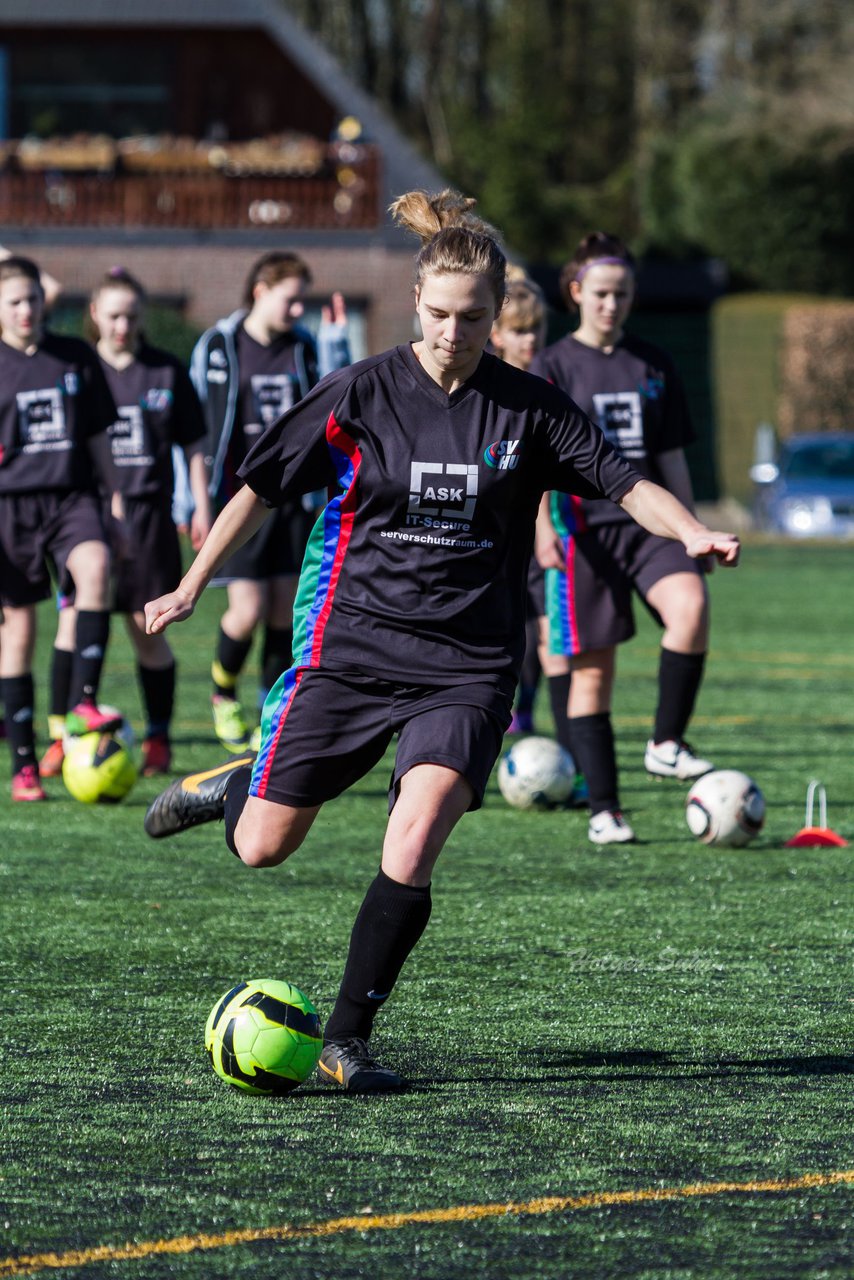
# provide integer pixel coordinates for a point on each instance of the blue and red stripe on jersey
(324, 559)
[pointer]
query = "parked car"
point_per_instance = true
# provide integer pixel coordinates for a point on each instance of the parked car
(807, 490)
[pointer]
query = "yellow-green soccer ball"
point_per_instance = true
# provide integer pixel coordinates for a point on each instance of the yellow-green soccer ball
(98, 768)
(264, 1036)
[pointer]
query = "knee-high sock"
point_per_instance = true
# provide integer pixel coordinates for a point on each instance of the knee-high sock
(158, 695)
(228, 663)
(559, 698)
(679, 678)
(18, 694)
(390, 921)
(591, 741)
(235, 799)
(529, 677)
(93, 632)
(61, 666)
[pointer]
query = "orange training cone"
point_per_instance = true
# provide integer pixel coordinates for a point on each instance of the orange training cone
(812, 836)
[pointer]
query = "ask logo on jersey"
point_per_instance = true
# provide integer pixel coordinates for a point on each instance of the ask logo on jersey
(619, 415)
(442, 494)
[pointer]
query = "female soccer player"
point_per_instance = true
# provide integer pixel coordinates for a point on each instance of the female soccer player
(248, 369)
(55, 409)
(157, 407)
(411, 600)
(632, 390)
(517, 335)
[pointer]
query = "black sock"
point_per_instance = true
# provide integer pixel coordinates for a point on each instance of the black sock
(60, 681)
(93, 632)
(679, 678)
(158, 695)
(19, 700)
(390, 921)
(228, 663)
(235, 799)
(277, 655)
(529, 677)
(559, 698)
(591, 741)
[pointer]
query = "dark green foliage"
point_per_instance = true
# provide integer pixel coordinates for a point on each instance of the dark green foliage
(575, 1020)
(778, 209)
(682, 126)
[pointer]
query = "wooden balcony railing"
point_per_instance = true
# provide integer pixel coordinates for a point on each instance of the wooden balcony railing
(344, 192)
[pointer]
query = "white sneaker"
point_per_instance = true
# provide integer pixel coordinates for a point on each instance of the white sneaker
(673, 759)
(609, 828)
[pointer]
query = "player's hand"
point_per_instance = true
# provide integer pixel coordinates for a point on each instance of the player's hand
(725, 547)
(336, 313)
(199, 530)
(175, 606)
(548, 548)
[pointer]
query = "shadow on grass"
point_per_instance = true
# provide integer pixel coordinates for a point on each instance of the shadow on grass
(543, 1066)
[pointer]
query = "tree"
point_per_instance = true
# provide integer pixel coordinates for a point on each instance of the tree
(676, 123)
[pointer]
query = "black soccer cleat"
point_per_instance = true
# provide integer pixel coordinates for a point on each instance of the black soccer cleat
(350, 1066)
(197, 798)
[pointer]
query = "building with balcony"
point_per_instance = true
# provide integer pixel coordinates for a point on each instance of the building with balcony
(182, 138)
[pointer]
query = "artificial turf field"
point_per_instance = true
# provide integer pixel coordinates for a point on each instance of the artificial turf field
(625, 1062)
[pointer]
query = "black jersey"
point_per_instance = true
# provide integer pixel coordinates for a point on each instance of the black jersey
(635, 397)
(417, 567)
(157, 407)
(269, 385)
(51, 403)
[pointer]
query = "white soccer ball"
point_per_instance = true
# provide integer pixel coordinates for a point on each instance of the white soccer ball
(725, 807)
(536, 773)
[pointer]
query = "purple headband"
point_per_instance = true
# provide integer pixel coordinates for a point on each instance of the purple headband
(601, 262)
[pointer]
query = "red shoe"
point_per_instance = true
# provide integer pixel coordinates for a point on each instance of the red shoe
(26, 785)
(50, 765)
(87, 718)
(156, 755)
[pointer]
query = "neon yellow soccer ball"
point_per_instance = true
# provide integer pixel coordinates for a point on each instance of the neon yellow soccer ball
(264, 1036)
(98, 768)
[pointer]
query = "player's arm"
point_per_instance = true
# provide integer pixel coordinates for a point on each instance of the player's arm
(675, 476)
(333, 338)
(202, 517)
(548, 548)
(236, 523)
(660, 512)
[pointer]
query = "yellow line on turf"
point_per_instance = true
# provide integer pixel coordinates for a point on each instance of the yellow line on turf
(30, 1265)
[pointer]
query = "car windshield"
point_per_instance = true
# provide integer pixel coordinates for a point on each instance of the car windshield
(831, 461)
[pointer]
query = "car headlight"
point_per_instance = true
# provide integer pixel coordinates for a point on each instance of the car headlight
(806, 515)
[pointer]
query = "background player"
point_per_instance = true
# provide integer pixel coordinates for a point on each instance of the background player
(55, 409)
(248, 369)
(157, 408)
(51, 289)
(412, 597)
(632, 390)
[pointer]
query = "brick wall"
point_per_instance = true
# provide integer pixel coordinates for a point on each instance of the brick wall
(210, 277)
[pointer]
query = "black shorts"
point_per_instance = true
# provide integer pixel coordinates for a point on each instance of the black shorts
(39, 531)
(590, 605)
(322, 731)
(275, 551)
(154, 563)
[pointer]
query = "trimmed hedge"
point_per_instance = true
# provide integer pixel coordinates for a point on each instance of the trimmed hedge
(767, 364)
